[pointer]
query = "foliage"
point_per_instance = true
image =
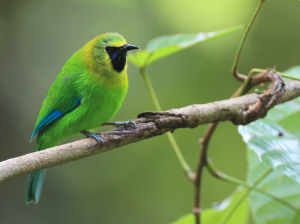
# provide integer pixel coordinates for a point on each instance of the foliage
(274, 144)
(277, 149)
(226, 211)
(161, 47)
(275, 140)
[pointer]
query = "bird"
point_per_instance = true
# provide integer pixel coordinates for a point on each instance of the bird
(87, 93)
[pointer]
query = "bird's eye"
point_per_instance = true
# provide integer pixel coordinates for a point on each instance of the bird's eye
(107, 48)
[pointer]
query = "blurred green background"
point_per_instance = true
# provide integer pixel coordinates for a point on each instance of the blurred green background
(142, 182)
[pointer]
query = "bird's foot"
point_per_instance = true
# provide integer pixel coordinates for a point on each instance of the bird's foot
(125, 124)
(93, 135)
(97, 133)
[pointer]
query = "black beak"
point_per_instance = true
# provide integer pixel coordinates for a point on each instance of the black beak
(128, 47)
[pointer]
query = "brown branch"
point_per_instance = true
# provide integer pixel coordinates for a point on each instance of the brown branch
(149, 124)
(202, 162)
(254, 81)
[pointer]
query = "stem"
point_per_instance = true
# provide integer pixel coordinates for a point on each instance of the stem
(238, 203)
(236, 60)
(188, 171)
(212, 169)
(258, 70)
(150, 89)
(234, 208)
(246, 83)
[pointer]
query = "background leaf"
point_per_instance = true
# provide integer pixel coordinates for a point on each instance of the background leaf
(163, 46)
(283, 111)
(274, 146)
(294, 71)
(217, 214)
(265, 210)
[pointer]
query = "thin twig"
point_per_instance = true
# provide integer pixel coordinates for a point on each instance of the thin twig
(237, 57)
(188, 171)
(202, 162)
(258, 70)
(222, 176)
(237, 204)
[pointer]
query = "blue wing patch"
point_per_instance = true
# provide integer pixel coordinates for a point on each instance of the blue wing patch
(55, 114)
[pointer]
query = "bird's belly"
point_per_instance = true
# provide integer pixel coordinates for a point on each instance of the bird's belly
(100, 107)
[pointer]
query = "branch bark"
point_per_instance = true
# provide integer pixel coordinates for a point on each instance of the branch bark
(149, 124)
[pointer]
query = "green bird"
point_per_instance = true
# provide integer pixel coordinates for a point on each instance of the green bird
(88, 92)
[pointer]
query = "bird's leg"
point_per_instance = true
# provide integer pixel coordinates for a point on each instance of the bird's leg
(126, 124)
(93, 135)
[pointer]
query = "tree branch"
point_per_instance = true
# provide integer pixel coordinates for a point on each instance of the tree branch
(149, 124)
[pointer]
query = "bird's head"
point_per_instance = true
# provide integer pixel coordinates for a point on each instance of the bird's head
(109, 51)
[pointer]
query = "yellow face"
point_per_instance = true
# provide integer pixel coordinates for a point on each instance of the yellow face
(96, 55)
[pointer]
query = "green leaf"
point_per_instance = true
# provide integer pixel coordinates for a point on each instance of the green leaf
(275, 147)
(287, 116)
(265, 210)
(163, 46)
(283, 111)
(293, 72)
(226, 209)
(292, 123)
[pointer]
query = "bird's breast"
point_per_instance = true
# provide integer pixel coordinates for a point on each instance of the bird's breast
(102, 98)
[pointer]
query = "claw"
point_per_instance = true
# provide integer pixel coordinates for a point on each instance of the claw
(93, 135)
(125, 124)
(129, 123)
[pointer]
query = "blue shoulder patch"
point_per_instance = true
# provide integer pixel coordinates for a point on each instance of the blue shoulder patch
(55, 114)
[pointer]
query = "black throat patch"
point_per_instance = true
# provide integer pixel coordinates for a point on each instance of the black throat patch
(117, 58)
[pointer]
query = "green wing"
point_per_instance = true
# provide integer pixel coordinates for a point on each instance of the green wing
(61, 98)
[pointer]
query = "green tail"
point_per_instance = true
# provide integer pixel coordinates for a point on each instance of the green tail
(34, 186)
(36, 179)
